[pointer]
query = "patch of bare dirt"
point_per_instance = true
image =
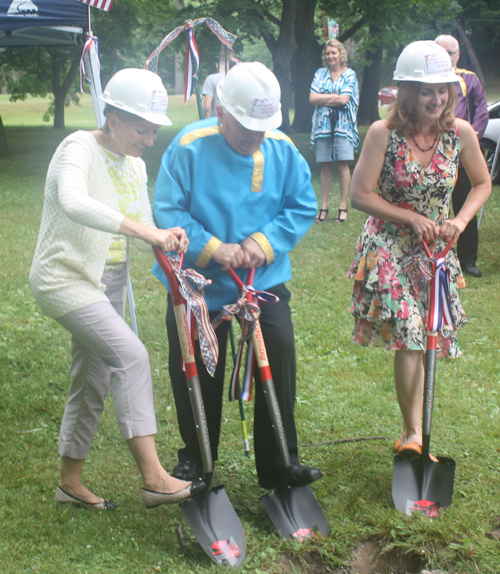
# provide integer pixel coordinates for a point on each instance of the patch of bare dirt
(365, 559)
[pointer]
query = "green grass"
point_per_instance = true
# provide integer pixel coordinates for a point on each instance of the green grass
(343, 392)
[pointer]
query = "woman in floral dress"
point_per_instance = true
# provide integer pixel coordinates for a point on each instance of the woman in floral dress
(411, 161)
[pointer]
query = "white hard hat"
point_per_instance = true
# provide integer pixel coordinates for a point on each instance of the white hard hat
(139, 92)
(425, 61)
(251, 93)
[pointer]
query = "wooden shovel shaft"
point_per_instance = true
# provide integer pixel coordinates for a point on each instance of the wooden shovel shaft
(266, 376)
(192, 379)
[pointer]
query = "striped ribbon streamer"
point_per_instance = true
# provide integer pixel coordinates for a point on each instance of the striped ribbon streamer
(208, 341)
(246, 389)
(440, 314)
(192, 61)
(86, 47)
(224, 36)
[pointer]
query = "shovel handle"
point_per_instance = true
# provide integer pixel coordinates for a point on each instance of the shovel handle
(266, 378)
(442, 254)
(188, 354)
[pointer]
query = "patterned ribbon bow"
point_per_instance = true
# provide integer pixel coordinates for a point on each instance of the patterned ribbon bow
(86, 47)
(208, 341)
(248, 313)
(224, 36)
(440, 314)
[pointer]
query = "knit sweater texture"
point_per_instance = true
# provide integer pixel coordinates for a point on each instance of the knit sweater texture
(80, 216)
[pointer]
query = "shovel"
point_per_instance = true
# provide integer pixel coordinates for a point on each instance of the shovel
(293, 510)
(210, 514)
(420, 484)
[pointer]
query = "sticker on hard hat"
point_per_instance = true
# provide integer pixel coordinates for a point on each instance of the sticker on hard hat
(263, 108)
(159, 101)
(437, 64)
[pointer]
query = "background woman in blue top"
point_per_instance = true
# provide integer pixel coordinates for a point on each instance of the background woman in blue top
(335, 93)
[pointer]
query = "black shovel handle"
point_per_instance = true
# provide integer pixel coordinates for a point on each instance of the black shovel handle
(430, 358)
(192, 379)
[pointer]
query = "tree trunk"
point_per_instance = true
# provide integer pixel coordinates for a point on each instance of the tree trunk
(305, 62)
(60, 89)
(282, 51)
(368, 98)
(466, 43)
(4, 146)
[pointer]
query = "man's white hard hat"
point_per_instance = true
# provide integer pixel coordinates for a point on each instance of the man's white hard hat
(251, 93)
(139, 92)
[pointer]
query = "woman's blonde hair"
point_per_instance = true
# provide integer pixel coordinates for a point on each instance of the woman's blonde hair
(402, 117)
(340, 47)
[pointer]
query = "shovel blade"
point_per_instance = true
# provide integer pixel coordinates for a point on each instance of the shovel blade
(421, 485)
(295, 512)
(216, 526)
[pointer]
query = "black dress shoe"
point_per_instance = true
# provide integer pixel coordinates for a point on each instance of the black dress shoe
(470, 269)
(188, 470)
(300, 475)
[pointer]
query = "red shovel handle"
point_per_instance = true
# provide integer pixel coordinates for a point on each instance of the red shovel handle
(442, 254)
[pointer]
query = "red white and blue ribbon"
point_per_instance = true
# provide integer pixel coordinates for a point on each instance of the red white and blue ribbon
(91, 40)
(440, 313)
(248, 313)
(224, 36)
(209, 345)
(245, 392)
(192, 61)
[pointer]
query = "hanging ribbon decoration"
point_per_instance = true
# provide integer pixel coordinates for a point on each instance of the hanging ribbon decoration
(209, 345)
(191, 78)
(192, 61)
(248, 313)
(86, 47)
(440, 313)
(224, 36)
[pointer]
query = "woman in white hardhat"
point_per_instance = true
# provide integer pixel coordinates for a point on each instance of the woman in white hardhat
(96, 199)
(411, 160)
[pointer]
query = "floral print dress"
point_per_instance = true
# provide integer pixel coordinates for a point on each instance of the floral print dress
(390, 296)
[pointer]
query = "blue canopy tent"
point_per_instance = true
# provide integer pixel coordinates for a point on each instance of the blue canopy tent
(41, 22)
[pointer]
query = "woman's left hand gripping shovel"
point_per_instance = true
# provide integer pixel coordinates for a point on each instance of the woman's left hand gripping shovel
(294, 510)
(424, 484)
(210, 514)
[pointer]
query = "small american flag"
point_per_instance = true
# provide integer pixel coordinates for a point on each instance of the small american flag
(101, 4)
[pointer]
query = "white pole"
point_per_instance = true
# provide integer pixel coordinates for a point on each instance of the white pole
(92, 69)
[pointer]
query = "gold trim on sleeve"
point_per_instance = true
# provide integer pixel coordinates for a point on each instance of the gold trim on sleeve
(209, 249)
(258, 171)
(197, 134)
(264, 244)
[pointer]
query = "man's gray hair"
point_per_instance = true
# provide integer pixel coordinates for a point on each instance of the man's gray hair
(447, 37)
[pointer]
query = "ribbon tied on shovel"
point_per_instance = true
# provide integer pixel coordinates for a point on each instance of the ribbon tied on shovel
(248, 312)
(209, 345)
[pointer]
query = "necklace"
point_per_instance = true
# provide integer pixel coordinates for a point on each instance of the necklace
(429, 148)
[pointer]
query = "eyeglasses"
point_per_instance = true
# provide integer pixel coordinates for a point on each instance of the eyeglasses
(452, 52)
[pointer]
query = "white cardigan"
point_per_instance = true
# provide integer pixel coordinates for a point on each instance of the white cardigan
(80, 216)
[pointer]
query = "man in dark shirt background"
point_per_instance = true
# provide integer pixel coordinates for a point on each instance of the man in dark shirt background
(471, 106)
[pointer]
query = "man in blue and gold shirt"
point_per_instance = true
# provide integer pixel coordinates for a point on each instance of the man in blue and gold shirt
(243, 193)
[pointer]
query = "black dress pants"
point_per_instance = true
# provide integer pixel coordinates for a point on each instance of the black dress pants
(468, 242)
(277, 330)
